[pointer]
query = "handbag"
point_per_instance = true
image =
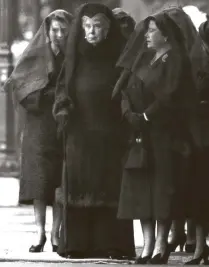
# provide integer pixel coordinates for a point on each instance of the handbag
(137, 157)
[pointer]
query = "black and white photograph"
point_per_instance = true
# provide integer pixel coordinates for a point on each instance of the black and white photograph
(104, 133)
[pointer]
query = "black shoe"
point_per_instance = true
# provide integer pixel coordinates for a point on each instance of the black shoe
(76, 255)
(143, 260)
(159, 258)
(204, 256)
(54, 248)
(38, 248)
(190, 248)
(179, 241)
(119, 255)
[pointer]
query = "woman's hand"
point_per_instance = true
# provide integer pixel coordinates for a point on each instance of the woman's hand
(136, 120)
(62, 121)
(32, 103)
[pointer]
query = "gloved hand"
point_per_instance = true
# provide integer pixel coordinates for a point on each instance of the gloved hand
(32, 103)
(136, 120)
(62, 122)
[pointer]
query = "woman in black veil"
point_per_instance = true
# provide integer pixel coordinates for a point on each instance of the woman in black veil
(199, 171)
(159, 105)
(94, 143)
(33, 83)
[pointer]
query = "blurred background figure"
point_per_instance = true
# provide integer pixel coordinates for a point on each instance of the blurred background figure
(126, 21)
(199, 170)
(177, 236)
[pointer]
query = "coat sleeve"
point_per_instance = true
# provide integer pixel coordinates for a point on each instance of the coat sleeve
(63, 104)
(172, 95)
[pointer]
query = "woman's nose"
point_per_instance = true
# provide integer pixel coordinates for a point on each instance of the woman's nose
(92, 29)
(59, 34)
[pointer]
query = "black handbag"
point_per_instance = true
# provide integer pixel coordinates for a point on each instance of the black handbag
(137, 157)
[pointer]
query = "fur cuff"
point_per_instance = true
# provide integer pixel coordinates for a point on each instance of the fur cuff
(84, 201)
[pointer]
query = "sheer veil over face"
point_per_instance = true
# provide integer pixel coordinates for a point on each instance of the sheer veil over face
(173, 21)
(93, 24)
(31, 72)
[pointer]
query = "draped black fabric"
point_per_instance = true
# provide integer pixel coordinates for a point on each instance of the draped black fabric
(138, 51)
(111, 47)
(41, 151)
(182, 23)
(199, 168)
(77, 33)
(204, 31)
(94, 145)
(32, 71)
(165, 92)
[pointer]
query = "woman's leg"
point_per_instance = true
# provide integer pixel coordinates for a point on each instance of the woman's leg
(177, 236)
(40, 219)
(57, 218)
(177, 230)
(200, 239)
(201, 250)
(163, 228)
(148, 230)
(190, 238)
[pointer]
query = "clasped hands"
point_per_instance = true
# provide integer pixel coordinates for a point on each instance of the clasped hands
(136, 120)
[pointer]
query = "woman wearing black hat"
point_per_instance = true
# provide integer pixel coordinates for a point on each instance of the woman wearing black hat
(125, 20)
(158, 102)
(94, 138)
(199, 182)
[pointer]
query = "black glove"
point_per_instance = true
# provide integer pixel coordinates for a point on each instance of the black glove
(136, 120)
(32, 103)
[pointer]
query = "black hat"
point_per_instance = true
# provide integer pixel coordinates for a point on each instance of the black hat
(204, 31)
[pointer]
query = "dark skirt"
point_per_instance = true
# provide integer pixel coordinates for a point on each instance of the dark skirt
(93, 168)
(157, 191)
(96, 232)
(198, 186)
(41, 165)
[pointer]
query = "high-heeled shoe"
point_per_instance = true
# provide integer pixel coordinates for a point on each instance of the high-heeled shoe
(190, 248)
(38, 248)
(159, 258)
(54, 248)
(179, 241)
(204, 256)
(143, 260)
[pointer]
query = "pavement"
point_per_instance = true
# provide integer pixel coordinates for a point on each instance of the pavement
(17, 234)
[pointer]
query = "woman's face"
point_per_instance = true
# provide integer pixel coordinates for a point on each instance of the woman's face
(154, 36)
(58, 32)
(96, 28)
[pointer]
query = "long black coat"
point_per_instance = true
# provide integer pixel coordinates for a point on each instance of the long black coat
(42, 152)
(94, 137)
(154, 170)
(199, 167)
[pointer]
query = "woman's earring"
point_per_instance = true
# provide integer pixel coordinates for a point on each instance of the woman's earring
(166, 39)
